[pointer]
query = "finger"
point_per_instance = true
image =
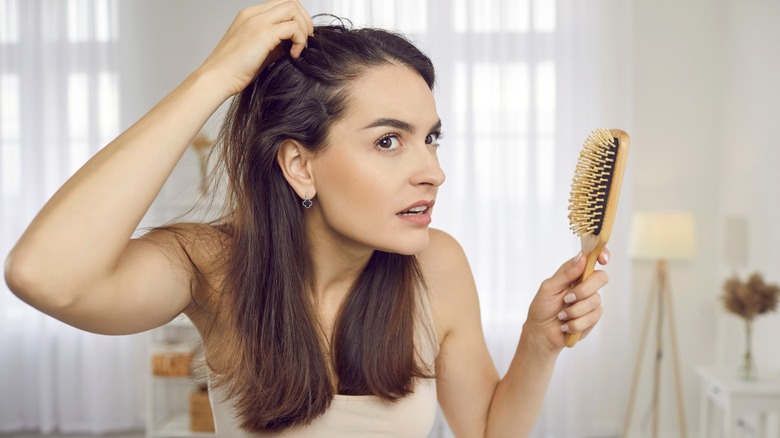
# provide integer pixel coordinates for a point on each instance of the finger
(283, 12)
(591, 285)
(290, 30)
(299, 43)
(303, 19)
(584, 322)
(604, 256)
(580, 308)
(253, 11)
(264, 7)
(290, 12)
(566, 274)
(307, 18)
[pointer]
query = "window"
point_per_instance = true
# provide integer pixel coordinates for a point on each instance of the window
(60, 100)
(10, 153)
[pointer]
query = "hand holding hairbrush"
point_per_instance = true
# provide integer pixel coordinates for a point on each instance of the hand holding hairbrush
(595, 190)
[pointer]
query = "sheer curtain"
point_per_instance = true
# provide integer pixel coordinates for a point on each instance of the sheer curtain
(520, 84)
(58, 88)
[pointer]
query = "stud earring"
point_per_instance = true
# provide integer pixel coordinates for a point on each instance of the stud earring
(307, 203)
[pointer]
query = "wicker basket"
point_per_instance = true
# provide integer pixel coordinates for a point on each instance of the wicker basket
(201, 418)
(172, 363)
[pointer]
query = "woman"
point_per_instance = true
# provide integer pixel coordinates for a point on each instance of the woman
(326, 305)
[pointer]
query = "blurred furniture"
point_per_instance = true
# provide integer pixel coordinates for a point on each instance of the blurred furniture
(660, 237)
(175, 405)
(734, 399)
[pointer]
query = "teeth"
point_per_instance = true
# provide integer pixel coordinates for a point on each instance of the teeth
(414, 210)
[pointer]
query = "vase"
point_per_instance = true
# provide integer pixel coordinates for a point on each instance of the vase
(747, 370)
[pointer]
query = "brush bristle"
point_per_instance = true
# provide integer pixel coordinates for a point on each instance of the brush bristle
(591, 183)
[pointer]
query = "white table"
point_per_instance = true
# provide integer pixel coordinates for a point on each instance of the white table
(736, 398)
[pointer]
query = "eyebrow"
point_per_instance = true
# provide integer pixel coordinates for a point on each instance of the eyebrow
(398, 124)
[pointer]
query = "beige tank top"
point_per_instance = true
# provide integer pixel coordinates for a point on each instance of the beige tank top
(359, 415)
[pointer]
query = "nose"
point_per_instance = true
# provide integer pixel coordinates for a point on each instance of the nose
(427, 169)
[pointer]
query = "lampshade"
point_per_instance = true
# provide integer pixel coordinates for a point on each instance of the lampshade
(663, 236)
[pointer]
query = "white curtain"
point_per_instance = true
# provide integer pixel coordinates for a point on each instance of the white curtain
(58, 88)
(520, 84)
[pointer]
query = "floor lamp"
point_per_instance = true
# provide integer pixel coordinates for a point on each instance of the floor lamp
(661, 238)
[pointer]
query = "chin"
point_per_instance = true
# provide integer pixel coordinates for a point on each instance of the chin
(412, 245)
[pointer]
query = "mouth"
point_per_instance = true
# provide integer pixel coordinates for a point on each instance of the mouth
(417, 209)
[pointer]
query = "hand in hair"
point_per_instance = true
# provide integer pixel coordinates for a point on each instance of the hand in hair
(253, 41)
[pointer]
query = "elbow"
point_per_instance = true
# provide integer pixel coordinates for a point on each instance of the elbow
(23, 280)
(15, 278)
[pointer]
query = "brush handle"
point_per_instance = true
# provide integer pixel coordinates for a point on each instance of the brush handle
(570, 339)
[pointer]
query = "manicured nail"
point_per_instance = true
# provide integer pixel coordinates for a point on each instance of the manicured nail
(562, 316)
(606, 258)
(577, 258)
(565, 327)
(570, 298)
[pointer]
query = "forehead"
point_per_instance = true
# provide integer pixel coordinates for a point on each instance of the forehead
(389, 91)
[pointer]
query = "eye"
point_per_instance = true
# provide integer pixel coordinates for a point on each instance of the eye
(388, 143)
(433, 138)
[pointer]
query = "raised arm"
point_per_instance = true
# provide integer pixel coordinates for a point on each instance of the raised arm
(76, 261)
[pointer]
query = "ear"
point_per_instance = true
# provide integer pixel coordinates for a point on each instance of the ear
(293, 159)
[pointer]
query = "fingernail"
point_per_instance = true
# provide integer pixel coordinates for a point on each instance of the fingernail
(577, 258)
(570, 298)
(565, 327)
(606, 258)
(562, 316)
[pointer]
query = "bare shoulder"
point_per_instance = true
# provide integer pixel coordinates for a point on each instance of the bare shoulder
(199, 248)
(444, 255)
(196, 245)
(449, 279)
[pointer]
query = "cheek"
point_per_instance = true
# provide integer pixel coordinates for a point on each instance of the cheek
(353, 193)
(358, 201)
(350, 183)
(359, 197)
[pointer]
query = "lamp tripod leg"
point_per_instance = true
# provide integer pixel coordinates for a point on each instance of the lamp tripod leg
(659, 349)
(675, 355)
(638, 363)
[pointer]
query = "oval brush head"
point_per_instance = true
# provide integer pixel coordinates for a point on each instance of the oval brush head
(591, 183)
(595, 190)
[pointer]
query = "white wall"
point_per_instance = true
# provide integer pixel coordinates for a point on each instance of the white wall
(160, 43)
(706, 94)
(750, 149)
(674, 161)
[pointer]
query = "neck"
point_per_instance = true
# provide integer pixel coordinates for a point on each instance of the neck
(337, 261)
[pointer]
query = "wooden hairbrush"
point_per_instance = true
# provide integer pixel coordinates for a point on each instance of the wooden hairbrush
(595, 190)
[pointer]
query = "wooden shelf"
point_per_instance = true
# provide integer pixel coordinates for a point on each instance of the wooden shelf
(167, 410)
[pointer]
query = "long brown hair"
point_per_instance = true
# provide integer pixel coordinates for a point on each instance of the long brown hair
(277, 373)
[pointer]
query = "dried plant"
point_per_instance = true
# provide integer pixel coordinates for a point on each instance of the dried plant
(750, 298)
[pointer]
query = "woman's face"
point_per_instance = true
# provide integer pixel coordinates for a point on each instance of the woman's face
(380, 161)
